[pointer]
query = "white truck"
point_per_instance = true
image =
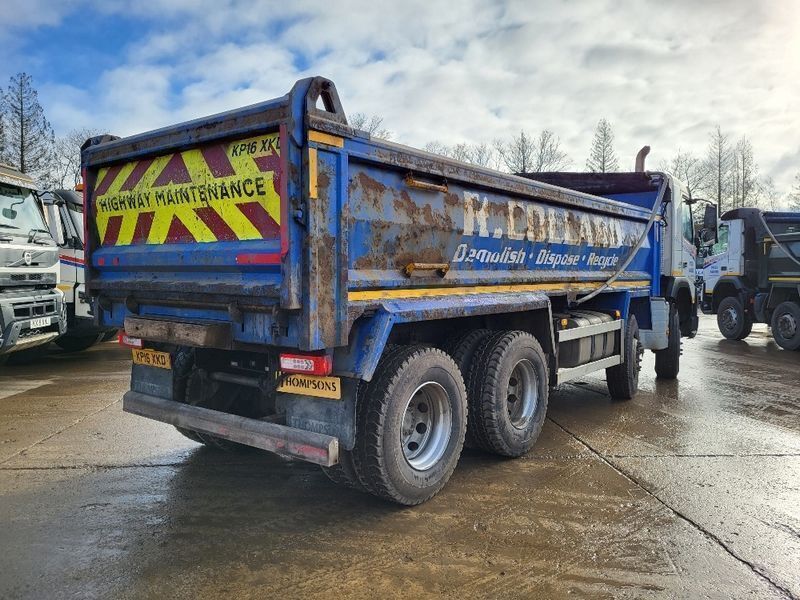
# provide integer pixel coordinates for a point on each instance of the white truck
(63, 211)
(752, 275)
(32, 311)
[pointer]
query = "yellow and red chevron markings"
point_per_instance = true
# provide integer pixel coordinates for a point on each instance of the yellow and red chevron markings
(219, 192)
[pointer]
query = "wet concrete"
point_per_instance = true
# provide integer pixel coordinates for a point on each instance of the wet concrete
(692, 490)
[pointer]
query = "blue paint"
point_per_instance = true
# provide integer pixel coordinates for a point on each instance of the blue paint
(367, 223)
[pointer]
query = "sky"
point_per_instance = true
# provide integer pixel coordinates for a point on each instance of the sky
(663, 73)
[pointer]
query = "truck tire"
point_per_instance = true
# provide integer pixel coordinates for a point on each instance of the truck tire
(623, 379)
(786, 325)
(508, 391)
(733, 322)
(77, 343)
(411, 424)
(182, 365)
(462, 348)
(668, 360)
(345, 472)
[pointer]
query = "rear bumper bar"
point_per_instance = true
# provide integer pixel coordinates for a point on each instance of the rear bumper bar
(287, 441)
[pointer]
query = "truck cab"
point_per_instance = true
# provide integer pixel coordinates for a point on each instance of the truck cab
(679, 253)
(724, 258)
(63, 211)
(31, 306)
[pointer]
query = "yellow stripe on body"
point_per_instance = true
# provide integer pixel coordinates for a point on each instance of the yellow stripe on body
(313, 190)
(325, 138)
(784, 278)
(486, 289)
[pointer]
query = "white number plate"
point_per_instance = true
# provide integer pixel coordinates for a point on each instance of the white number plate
(43, 322)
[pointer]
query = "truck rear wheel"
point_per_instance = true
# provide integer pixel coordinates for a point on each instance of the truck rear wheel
(411, 425)
(76, 343)
(668, 359)
(462, 348)
(733, 322)
(508, 391)
(345, 472)
(623, 379)
(786, 325)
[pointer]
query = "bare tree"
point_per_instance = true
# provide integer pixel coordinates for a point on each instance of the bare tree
(744, 175)
(372, 124)
(602, 158)
(525, 154)
(769, 197)
(65, 170)
(690, 170)
(718, 165)
(482, 155)
(794, 195)
(517, 154)
(476, 154)
(2, 134)
(30, 136)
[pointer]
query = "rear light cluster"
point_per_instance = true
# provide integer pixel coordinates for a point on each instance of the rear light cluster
(306, 363)
(131, 342)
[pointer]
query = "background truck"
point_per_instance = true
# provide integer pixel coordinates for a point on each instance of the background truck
(290, 283)
(31, 306)
(752, 275)
(63, 211)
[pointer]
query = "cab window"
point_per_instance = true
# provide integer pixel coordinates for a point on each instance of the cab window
(687, 224)
(722, 241)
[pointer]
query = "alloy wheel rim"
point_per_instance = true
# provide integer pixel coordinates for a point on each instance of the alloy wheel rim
(522, 396)
(427, 425)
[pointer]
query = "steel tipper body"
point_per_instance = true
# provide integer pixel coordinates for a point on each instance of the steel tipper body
(752, 275)
(289, 283)
(31, 306)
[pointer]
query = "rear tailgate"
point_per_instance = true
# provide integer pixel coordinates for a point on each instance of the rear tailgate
(190, 222)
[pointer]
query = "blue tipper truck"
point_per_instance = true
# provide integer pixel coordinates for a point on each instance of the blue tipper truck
(289, 283)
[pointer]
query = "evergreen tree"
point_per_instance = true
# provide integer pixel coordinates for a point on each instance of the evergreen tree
(602, 158)
(29, 136)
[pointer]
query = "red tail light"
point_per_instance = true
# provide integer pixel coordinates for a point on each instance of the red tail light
(306, 363)
(131, 342)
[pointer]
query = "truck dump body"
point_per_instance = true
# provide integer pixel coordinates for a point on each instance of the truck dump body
(299, 211)
(290, 283)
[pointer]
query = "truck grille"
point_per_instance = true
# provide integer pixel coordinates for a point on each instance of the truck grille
(26, 277)
(30, 310)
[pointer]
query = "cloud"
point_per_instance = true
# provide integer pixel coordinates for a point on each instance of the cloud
(664, 74)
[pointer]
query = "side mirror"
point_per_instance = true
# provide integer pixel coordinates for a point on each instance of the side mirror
(710, 217)
(9, 213)
(52, 223)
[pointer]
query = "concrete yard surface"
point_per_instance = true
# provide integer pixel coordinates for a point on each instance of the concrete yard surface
(691, 490)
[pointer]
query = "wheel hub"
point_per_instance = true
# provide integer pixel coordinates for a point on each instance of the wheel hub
(787, 326)
(427, 423)
(523, 394)
(729, 318)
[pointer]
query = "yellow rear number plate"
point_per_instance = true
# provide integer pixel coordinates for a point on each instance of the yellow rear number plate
(312, 385)
(152, 358)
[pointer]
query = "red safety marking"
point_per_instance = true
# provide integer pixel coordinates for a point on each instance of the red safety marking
(214, 222)
(260, 219)
(111, 175)
(136, 175)
(177, 232)
(217, 160)
(175, 171)
(271, 162)
(112, 230)
(143, 224)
